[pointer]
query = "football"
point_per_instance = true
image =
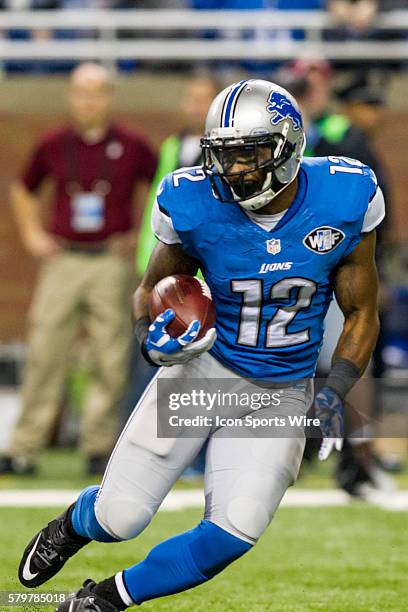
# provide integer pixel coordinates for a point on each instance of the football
(189, 297)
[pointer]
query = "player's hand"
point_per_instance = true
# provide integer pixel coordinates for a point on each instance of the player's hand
(165, 350)
(329, 410)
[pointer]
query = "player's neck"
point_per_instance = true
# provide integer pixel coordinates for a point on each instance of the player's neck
(282, 201)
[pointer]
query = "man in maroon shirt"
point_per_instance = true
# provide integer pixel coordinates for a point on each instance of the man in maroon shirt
(100, 171)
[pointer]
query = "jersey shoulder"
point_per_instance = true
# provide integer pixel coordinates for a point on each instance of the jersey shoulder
(340, 170)
(184, 193)
(340, 186)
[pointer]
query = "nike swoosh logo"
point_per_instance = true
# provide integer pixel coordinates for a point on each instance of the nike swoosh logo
(27, 575)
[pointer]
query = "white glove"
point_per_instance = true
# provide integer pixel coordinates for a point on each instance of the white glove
(329, 410)
(164, 350)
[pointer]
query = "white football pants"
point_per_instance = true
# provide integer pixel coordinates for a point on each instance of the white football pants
(245, 477)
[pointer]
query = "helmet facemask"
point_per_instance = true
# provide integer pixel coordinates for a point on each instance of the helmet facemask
(244, 170)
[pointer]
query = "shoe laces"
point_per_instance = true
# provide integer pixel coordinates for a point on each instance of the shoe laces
(57, 544)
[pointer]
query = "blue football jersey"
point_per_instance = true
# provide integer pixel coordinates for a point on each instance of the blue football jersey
(272, 289)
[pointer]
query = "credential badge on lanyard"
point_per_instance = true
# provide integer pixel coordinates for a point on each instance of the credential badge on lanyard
(87, 207)
(87, 211)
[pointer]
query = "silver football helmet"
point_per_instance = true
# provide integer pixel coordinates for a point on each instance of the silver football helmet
(253, 143)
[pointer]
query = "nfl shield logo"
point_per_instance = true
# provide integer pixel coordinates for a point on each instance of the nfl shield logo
(273, 246)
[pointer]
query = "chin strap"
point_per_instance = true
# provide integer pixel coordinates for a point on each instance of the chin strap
(264, 198)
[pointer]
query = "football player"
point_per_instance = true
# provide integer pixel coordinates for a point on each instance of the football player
(275, 235)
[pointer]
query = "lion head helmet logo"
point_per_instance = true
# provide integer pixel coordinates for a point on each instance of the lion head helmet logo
(282, 108)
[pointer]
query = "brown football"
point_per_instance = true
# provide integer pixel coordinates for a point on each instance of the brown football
(189, 297)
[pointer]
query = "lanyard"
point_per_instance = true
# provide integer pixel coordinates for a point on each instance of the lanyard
(102, 182)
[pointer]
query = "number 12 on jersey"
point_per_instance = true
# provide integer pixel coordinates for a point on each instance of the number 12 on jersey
(299, 293)
(353, 165)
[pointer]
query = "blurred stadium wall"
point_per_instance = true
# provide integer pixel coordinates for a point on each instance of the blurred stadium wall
(29, 106)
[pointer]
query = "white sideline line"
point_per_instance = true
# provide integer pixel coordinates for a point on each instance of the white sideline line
(194, 498)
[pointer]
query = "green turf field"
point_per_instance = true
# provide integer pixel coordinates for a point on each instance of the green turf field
(64, 469)
(334, 559)
(345, 559)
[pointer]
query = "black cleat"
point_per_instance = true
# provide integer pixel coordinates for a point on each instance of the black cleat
(49, 550)
(85, 600)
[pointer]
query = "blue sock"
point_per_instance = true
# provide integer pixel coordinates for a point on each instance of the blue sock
(83, 519)
(183, 562)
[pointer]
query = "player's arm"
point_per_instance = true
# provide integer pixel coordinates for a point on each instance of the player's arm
(157, 346)
(356, 287)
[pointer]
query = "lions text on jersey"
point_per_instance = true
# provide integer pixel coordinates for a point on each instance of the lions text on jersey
(271, 287)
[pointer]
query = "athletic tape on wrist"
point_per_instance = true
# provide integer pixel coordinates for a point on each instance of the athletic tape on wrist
(141, 330)
(343, 376)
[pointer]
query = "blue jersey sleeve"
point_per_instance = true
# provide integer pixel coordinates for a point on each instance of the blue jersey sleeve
(351, 188)
(183, 197)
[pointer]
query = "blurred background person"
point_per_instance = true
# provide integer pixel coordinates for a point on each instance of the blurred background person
(101, 174)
